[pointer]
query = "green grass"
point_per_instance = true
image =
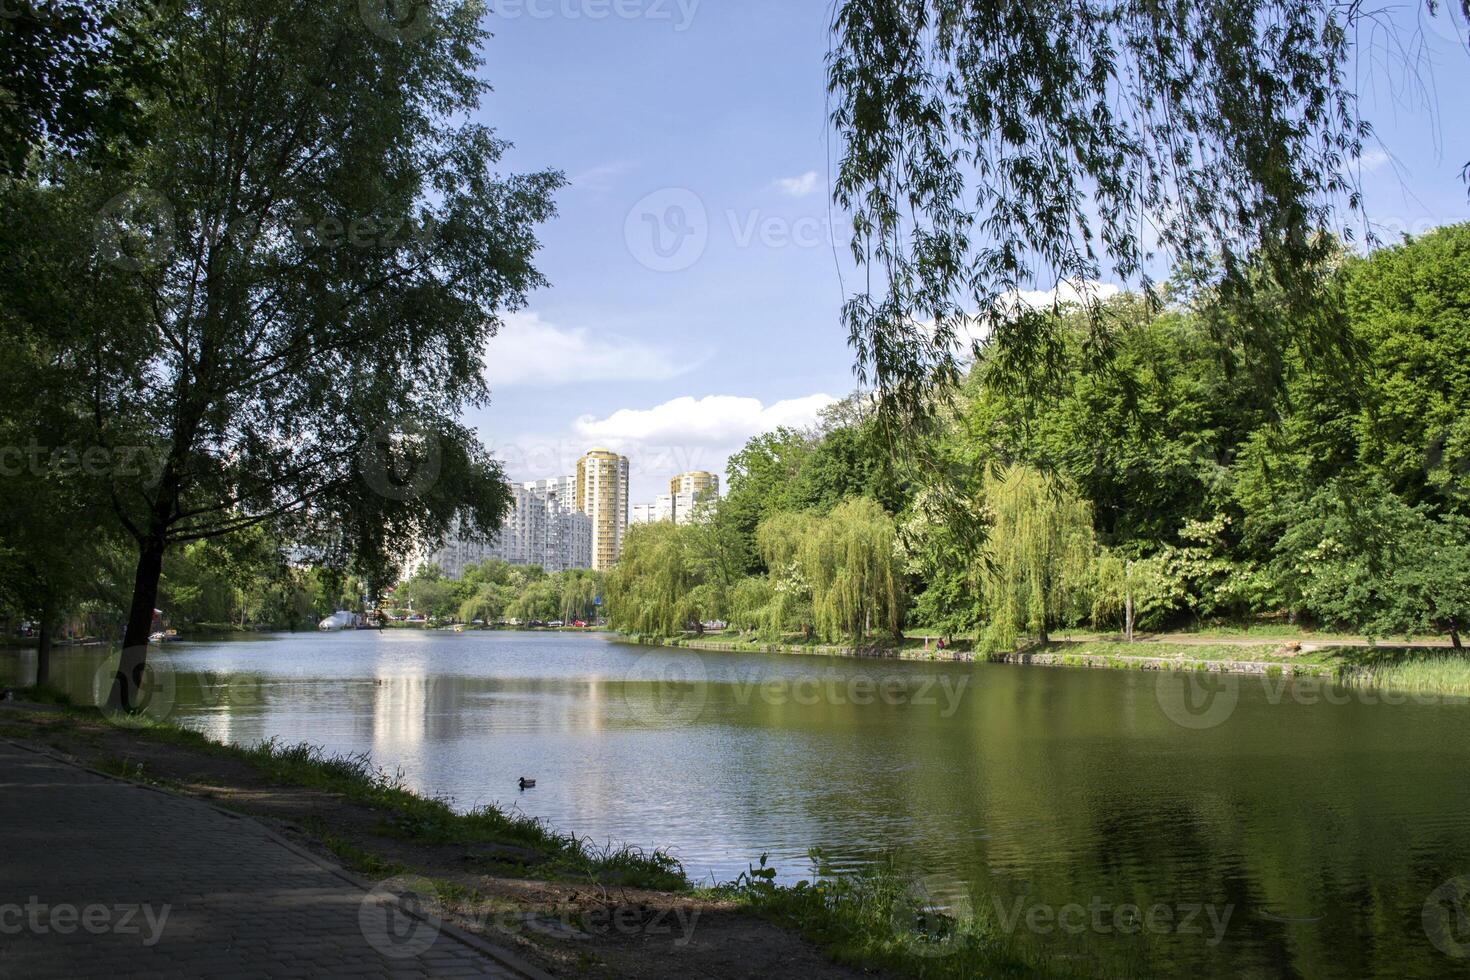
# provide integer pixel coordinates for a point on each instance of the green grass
(881, 919)
(409, 816)
(1414, 671)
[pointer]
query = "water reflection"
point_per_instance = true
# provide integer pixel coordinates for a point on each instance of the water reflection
(1315, 829)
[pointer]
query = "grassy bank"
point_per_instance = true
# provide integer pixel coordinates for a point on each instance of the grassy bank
(1440, 671)
(487, 857)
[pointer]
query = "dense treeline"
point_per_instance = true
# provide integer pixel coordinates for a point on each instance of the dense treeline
(496, 590)
(1172, 482)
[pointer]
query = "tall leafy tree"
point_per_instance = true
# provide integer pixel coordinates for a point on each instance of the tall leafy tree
(319, 247)
(72, 75)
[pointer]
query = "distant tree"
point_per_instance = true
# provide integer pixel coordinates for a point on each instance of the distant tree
(649, 589)
(846, 564)
(1357, 556)
(1038, 560)
(1130, 590)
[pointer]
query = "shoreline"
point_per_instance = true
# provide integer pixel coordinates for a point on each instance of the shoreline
(1428, 668)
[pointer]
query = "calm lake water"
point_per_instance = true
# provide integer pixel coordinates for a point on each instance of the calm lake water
(1126, 823)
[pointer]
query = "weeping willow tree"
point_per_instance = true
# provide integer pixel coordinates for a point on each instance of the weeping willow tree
(750, 601)
(847, 566)
(650, 587)
(994, 146)
(1038, 562)
(780, 540)
(579, 593)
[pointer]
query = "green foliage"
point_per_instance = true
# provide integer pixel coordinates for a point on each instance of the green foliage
(840, 575)
(1357, 555)
(495, 590)
(1038, 559)
(987, 144)
(882, 917)
(652, 588)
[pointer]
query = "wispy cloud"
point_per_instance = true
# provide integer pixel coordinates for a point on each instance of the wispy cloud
(599, 178)
(530, 351)
(802, 186)
(1372, 159)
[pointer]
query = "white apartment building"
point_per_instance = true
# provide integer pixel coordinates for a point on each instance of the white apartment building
(542, 528)
(680, 504)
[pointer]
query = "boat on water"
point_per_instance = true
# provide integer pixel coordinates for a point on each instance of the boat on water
(165, 636)
(338, 621)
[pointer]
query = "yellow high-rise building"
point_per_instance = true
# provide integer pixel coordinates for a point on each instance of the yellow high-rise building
(694, 483)
(602, 494)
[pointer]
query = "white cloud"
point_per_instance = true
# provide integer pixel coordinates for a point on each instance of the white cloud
(690, 433)
(530, 351)
(975, 330)
(712, 421)
(1064, 293)
(1372, 159)
(801, 186)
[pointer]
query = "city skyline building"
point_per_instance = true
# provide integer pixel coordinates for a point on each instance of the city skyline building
(602, 494)
(543, 527)
(680, 504)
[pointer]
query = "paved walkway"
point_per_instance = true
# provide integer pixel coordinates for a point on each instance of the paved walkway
(104, 878)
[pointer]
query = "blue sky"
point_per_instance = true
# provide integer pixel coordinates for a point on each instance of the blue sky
(695, 288)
